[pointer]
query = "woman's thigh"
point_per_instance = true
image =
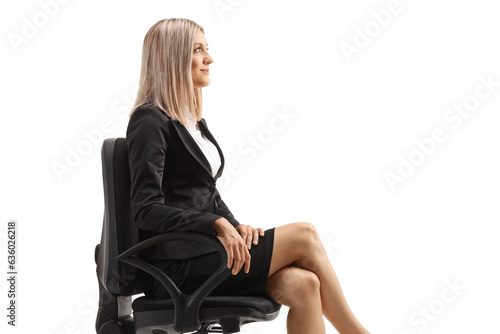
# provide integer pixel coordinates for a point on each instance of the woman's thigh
(290, 244)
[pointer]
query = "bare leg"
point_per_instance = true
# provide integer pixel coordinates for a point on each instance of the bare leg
(299, 244)
(298, 289)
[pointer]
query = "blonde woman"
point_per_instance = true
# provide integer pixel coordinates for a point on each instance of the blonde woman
(175, 162)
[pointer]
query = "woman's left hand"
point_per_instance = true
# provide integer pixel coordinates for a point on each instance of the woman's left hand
(250, 234)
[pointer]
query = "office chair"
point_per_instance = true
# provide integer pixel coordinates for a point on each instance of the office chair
(118, 268)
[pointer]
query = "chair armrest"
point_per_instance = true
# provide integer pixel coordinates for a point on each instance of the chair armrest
(196, 236)
(187, 306)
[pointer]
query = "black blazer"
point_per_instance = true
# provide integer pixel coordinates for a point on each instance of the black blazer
(172, 188)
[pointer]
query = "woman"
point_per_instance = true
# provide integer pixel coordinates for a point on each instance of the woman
(174, 164)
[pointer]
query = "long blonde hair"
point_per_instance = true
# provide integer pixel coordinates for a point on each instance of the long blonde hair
(166, 79)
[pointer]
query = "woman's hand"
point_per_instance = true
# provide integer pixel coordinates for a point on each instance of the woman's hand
(236, 248)
(249, 234)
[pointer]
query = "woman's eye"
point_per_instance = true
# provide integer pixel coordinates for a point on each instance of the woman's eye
(199, 49)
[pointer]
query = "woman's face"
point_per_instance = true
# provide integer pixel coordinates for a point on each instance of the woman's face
(201, 60)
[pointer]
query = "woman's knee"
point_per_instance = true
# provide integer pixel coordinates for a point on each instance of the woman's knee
(295, 243)
(293, 286)
(308, 237)
(311, 250)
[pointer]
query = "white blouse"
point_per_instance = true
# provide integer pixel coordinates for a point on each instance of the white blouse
(207, 147)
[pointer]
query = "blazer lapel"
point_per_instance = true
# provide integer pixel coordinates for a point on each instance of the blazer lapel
(206, 132)
(195, 150)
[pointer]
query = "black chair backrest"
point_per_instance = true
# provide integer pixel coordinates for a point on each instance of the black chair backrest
(119, 230)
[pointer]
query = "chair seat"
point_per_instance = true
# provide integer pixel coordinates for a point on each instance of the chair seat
(260, 304)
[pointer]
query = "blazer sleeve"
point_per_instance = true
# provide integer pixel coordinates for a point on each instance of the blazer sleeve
(223, 210)
(147, 134)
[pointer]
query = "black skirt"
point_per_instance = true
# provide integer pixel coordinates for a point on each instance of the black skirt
(189, 274)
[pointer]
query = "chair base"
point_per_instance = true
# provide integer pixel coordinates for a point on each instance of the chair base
(114, 314)
(154, 321)
(115, 326)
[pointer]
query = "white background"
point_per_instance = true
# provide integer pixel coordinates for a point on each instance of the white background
(393, 250)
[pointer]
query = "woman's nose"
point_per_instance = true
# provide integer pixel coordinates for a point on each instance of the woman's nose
(209, 59)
